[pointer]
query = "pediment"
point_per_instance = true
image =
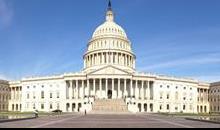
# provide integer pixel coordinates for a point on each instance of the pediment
(110, 70)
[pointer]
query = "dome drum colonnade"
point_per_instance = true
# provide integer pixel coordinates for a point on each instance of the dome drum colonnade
(109, 46)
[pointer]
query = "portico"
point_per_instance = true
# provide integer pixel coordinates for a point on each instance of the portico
(109, 88)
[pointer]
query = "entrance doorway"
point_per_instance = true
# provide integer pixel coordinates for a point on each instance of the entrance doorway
(139, 107)
(109, 94)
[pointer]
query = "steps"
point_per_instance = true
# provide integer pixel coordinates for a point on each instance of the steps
(110, 106)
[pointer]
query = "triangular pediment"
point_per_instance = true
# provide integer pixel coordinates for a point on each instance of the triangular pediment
(110, 70)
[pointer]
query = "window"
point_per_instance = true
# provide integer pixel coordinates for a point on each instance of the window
(161, 86)
(190, 88)
(168, 86)
(176, 108)
(176, 87)
(184, 107)
(184, 88)
(28, 87)
(184, 98)
(168, 96)
(42, 106)
(34, 86)
(161, 95)
(51, 95)
(58, 95)
(161, 107)
(42, 86)
(168, 107)
(42, 94)
(51, 106)
(34, 106)
(28, 96)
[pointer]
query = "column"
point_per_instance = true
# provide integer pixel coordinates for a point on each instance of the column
(83, 89)
(136, 90)
(103, 58)
(113, 86)
(119, 88)
(148, 90)
(106, 88)
(125, 87)
(94, 87)
(90, 60)
(107, 58)
(145, 86)
(77, 89)
(18, 92)
(112, 56)
(142, 90)
(14, 94)
(67, 93)
(88, 94)
(71, 90)
(116, 58)
(131, 88)
(100, 88)
(126, 60)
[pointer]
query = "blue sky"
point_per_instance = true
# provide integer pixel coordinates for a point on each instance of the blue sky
(173, 37)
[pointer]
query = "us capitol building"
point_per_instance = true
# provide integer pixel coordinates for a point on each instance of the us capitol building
(109, 82)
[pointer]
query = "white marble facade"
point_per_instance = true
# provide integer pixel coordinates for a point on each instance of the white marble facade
(108, 73)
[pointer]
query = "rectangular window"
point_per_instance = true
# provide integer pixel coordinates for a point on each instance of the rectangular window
(28, 96)
(161, 107)
(51, 106)
(168, 107)
(58, 95)
(168, 96)
(42, 94)
(51, 95)
(42, 106)
(161, 95)
(184, 107)
(34, 106)
(176, 108)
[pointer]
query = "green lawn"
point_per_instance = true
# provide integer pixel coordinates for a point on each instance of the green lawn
(25, 113)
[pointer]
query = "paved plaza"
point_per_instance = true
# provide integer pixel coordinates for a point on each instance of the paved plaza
(109, 121)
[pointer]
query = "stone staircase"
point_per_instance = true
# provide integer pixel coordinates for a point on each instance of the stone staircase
(112, 106)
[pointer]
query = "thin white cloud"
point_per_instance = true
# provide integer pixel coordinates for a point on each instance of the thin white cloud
(184, 62)
(6, 13)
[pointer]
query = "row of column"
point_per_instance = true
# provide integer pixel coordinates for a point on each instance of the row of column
(16, 93)
(100, 88)
(112, 44)
(203, 95)
(109, 58)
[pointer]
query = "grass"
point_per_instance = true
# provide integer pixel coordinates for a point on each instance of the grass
(26, 113)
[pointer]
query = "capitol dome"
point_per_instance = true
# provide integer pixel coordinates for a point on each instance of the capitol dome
(109, 28)
(109, 45)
